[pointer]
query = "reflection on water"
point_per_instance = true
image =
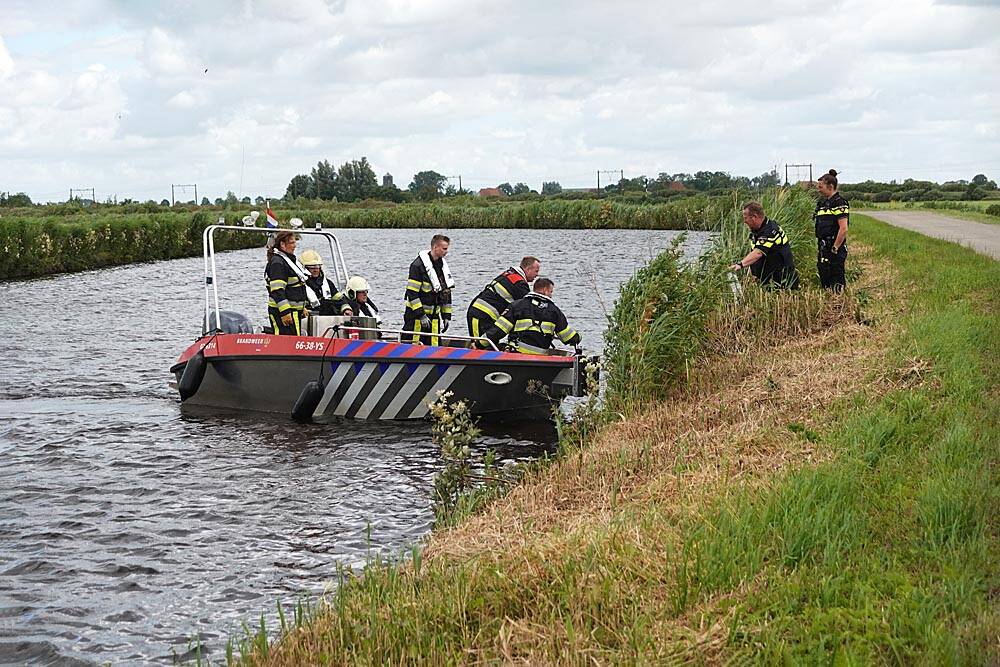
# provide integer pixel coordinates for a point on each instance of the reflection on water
(128, 526)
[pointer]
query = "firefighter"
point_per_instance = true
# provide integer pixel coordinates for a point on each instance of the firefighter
(286, 286)
(331, 302)
(833, 214)
(428, 294)
(357, 300)
(505, 289)
(531, 323)
(770, 260)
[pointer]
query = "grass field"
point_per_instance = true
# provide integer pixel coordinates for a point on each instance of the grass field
(965, 210)
(823, 489)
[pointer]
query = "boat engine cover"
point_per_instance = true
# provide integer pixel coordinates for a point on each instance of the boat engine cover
(230, 322)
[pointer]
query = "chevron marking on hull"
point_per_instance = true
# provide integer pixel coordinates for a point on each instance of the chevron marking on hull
(441, 385)
(406, 391)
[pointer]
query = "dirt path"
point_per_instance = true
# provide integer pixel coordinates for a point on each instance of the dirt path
(980, 237)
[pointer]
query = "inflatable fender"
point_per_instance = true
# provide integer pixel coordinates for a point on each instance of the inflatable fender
(307, 401)
(194, 373)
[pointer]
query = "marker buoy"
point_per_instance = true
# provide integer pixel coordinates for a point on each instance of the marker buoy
(307, 401)
(194, 373)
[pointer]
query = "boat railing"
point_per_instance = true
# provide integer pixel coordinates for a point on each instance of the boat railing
(211, 278)
(399, 333)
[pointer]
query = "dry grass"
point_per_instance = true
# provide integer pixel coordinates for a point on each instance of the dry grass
(729, 426)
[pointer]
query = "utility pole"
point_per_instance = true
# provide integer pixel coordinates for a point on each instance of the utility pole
(796, 166)
(459, 177)
(609, 172)
(180, 185)
(93, 197)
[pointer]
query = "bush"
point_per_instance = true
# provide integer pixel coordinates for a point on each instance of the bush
(993, 209)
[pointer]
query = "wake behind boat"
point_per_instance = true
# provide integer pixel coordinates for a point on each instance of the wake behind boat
(350, 368)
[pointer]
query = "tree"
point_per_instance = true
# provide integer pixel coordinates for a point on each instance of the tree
(325, 178)
(427, 185)
(259, 201)
(218, 201)
(521, 189)
(205, 202)
(231, 200)
(506, 189)
(246, 200)
(551, 188)
(165, 202)
(19, 199)
(302, 185)
(983, 182)
(356, 180)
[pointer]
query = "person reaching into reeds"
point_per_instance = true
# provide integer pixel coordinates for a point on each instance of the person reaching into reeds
(770, 260)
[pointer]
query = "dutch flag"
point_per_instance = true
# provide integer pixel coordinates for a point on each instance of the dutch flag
(271, 220)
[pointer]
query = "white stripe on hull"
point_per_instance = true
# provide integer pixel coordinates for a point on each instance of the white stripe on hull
(441, 385)
(376, 393)
(406, 391)
(331, 388)
(356, 386)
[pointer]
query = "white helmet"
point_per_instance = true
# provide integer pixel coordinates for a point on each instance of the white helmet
(247, 221)
(295, 223)
(356, 284)
(254, 215)
(311, 258)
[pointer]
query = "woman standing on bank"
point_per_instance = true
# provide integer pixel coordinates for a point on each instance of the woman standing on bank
(832, 215)
(286, 288)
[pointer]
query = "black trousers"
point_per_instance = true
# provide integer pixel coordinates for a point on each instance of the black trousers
(478, 322)
(830, 265)
(416, 328)
(293, 329)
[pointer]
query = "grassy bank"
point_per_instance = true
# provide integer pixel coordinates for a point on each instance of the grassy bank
(79, 239)
(819, 484)
(986, 210)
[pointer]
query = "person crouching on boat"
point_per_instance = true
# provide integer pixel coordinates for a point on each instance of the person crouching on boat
(286, 286)
(331, 302)
(357, 299)
(505, 289)
(531, 323)
(428, 294)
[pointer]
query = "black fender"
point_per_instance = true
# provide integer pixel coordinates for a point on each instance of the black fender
(307, 401)
(194, 373)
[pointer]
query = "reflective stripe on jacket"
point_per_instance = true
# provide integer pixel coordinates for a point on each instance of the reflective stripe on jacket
(420, 298)
(504, 290)
(531, 323)
(828, 213)
(285, 290)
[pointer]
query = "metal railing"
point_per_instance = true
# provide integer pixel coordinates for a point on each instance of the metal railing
(211, 277)
(402, 332)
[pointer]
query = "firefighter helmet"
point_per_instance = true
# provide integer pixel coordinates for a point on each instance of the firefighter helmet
(356, 284)
(311, 258)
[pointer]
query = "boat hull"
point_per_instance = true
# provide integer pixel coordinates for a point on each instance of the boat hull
(374, 380)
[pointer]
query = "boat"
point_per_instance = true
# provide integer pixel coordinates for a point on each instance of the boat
(352, 368)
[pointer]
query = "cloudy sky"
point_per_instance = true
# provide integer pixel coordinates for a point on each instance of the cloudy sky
(128, 97)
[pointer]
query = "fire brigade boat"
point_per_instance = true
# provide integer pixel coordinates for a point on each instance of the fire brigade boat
(351, 368)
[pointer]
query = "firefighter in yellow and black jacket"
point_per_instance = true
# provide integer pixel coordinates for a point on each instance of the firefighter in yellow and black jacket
(286, 289)
(833, 214)
(428, 294)
(531, 323)
(505, 289)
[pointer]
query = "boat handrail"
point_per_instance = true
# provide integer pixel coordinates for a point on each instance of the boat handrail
(208, 246)
(402, 332)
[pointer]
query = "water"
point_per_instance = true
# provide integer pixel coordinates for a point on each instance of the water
(128, 526)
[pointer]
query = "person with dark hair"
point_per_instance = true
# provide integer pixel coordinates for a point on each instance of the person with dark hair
(505, 289)
(428, 294)
(286, 285)
(770, 259)
(531, 323)
(833, 213)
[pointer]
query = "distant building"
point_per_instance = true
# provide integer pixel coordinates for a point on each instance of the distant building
(677, 186)
(387, 181)
(490, 192)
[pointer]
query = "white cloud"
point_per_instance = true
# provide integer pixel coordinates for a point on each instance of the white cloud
(498, 92)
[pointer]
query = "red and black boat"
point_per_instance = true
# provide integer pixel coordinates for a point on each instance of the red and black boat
(371, 377)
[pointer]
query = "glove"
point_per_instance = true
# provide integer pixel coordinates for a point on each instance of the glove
(286, 319)
(444, 325)
(425, 323)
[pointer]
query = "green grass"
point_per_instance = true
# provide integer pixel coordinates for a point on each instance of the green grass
(883, 551)
(964, 210)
